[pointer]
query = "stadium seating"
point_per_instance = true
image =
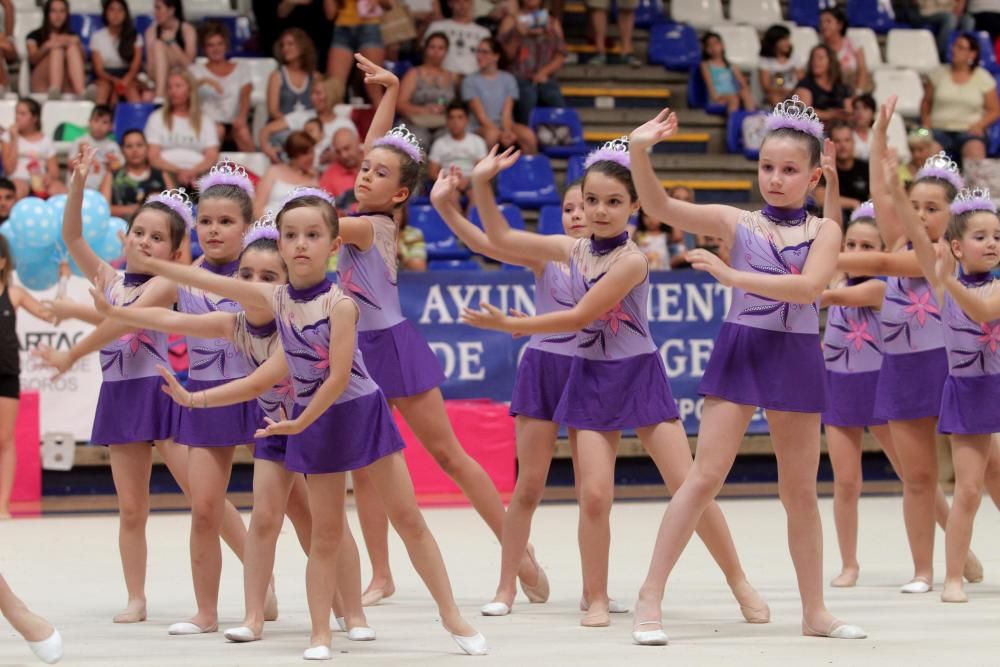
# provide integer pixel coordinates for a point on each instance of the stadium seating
(510, 213)
(529, 183)
(550, 220)
(453, 265)
(674, 45)
(761, 14)
(57, 112)
(913, 49)
(567, 117)
(866, 40)
(131, 117)
(702, 14)
(742, 45)
(441, 242)
(804, 39)
(870, 14)
(906, 84)
(804, 12)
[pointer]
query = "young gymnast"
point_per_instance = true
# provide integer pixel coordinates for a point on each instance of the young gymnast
(42, 638)
(971, 319)
(12, 298)
(767, 354)
(399, 359)
(340, 420)
(131, 383)
(275, 489)
(609, 282)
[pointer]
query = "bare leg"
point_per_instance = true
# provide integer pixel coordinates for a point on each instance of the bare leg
(75, 70)
(8, 453)
(845, 456)
(916, 449)
(131, 466)
(297, 510)
(57, 69)
(626, 26)
(970, 454)
(375, 528)
(597, 489)
(326, 500)
(339, 63)
(158, 66)
(526, 139)
(348, 594)
(29, 625)
(599, 25)
(993, 472)
(104, 92)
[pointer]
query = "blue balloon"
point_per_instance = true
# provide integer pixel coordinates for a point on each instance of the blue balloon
(58, 204)
(7, 231)
(95, 210)
(115, 225)
(34, 222)
(26, 255)
(110, 247)
(40, 276)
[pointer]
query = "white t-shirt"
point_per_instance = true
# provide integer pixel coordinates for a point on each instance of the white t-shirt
(33, 157)
(105, 44)
(221, 108)
(106, 148)
(463, 153)
(463, 38)
(180, 145)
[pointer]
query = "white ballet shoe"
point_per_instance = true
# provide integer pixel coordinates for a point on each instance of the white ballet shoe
(186, 628)
(361, 634)
(317, 653)
(240, 635)
(918, 585)
(341, 623)
(837, 630)
(474, 645)
(49, 651)
(614, 606)
(655, 637)
(495, 609)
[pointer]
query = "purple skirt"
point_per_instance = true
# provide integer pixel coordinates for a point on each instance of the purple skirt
(910, 385)
(216, 427)
(271, 448)
(539, 384)
(348, 436)
(774, 370)
(616, 395)
(968, 405)
(852, 399)
(399, 360)
(133, 411)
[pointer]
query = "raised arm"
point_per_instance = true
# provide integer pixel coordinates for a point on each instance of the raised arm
(556, 248)
(978, 308)
(268, 374)
(607, 293)
(444, 197)
(712, 219)
(386, 110)
(868, 294)
(804, 288)
(831, 196)
(913, 227)
(886, 217)
(72, 228)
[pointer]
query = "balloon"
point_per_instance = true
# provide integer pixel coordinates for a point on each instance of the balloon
(110, 247)
(34, 222)
(95, 210)
(7, 231)
(115, 225)
(26, 255)
(58, 204)
(40, 276)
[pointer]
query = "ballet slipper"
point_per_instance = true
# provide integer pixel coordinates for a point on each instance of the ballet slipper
(614, 606)
(973, 571)
(361, 634)
(953, 593)
(836, 630)
(131, 614)
(916, 586)
(271, 605)
(50, 650)
(341, 623)
(472, 645)
(655, 637)
(757, 611)
(848, 578)
(187, 628)
(374, 596)
(495, 609)
(539, 592)
(241, 635)
(596, 619)
(317, 653)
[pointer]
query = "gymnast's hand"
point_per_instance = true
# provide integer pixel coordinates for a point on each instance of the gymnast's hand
(284, 427)
(494, 163)
(490, 317)
(375, 75)
(653, 132)
(446, 186)
(175, 389)
(703, 260)
(60, 360)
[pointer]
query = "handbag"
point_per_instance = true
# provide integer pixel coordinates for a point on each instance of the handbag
(398, 25)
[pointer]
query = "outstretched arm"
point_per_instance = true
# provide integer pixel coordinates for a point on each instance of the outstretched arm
(868, 294)
(711, 219)
(556, 248)
(21, 298)
(599, 300)
(902, 264)
(806, 287)
(246, 388)
(386, 110)
(923, 247)
(218, 324)
(978, 308)
(64, 309)
(72, 228)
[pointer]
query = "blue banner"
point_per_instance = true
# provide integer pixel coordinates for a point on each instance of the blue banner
(686, 310)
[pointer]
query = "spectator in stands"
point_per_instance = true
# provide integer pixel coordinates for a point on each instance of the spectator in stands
(56, 53)
(280, 179)
(170, 42)
(8, 52)
(921, 143)
(107, 156)
(458, 147)
(356, 29)
(339, 177)
(8, 197)
(127, 188)
(986, 14)
(944, 17)
(182, 141)
(863, 118)
(224, 86)
(325, 94)
(423, 13)
(426, 91)
(491, 94)
(411, 250)
(116, 54)
(776, 70)
(726, 84)
(822, 87)
(29, 158)
(960, 102)
(833, 33)
(625, 9)
(852, 172)
(289, 88)
(274, 17)
(653, 238)
(535, 47)
(463, 34)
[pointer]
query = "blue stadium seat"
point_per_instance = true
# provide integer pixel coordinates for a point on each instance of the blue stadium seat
(697, 94)
(987, 56)
(566, 117)
(85, 25)
(130, 116)
(453, 265)
(648, 13)
(529, 183)
(550, 220)
(441, 242)
(674, 45)
(142, 22)
(734, 134)
(869, 14)
(511, 213)
(574, 168)
(804, 12)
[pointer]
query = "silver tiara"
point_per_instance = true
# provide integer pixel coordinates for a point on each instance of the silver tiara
(178, 201)
(794, 114)
(942, 167)
(402, 139)
(973, 199)
(615, 150)
(227, 172)
(264, 228)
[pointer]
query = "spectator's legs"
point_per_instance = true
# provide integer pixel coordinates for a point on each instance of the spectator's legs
(491, 135)
(974, 149)
(526, 139)
(133, 93)
(75, 70)
(21, 188)
(626, 26)
(527, 100)
(243, 138)
(57, 69)
(104, 92)
(942, 25)
(158, 65)
(339, 63)
(599, 24)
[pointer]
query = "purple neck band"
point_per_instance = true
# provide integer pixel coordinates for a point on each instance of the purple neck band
(309, 293)
(133, 279)
(263, 330)
(602, 246)
(786, 217)
(974, 279)
(221, 269)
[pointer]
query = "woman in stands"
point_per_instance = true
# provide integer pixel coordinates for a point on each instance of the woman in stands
(116, 54)
(289, 88)
(170, 42)
(224, 86)
(55, 53)
(427, 90)
(182, 141)
(281, 179)
(833, 33)
(823, 88)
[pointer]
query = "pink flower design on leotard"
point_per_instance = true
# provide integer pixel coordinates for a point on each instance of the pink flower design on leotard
(615, 317)
(858, 334)
(921, 305)
(134, 343)
(357, 291)
(138, 339)
(916, 308)
(323, 363)
(991, 336)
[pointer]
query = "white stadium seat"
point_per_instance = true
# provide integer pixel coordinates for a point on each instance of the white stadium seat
(7, 110)
(761, 14)
(913, 49)
(197, 9)
(56, 112)
(906, 84)
(804, 39)
(702, 14)
(742, 45)
(865, 39)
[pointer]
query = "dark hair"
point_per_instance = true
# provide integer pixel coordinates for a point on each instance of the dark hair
(212, 29)
(959, 224)
(615, 171)
(178, 228)
(233, 193)
(47, 30)
(704, 45)
(7, 184)
(437, 35)
(457, 105)
(866, 220)
(178, 8)
(497, 50)
(11, 265)
(101, 111)
(973, 43)
(128, 35)
(833, 68)
(838, 15)
(264, 244)
(578, 183)
(813, 144)
(409, 170)
(769, 42)
(950, 191)
(838, 124)
(305, 47)
(129, 133)
(34, 108)
(665, 228)
(326, 209)
(866, 100)
(298, 143)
